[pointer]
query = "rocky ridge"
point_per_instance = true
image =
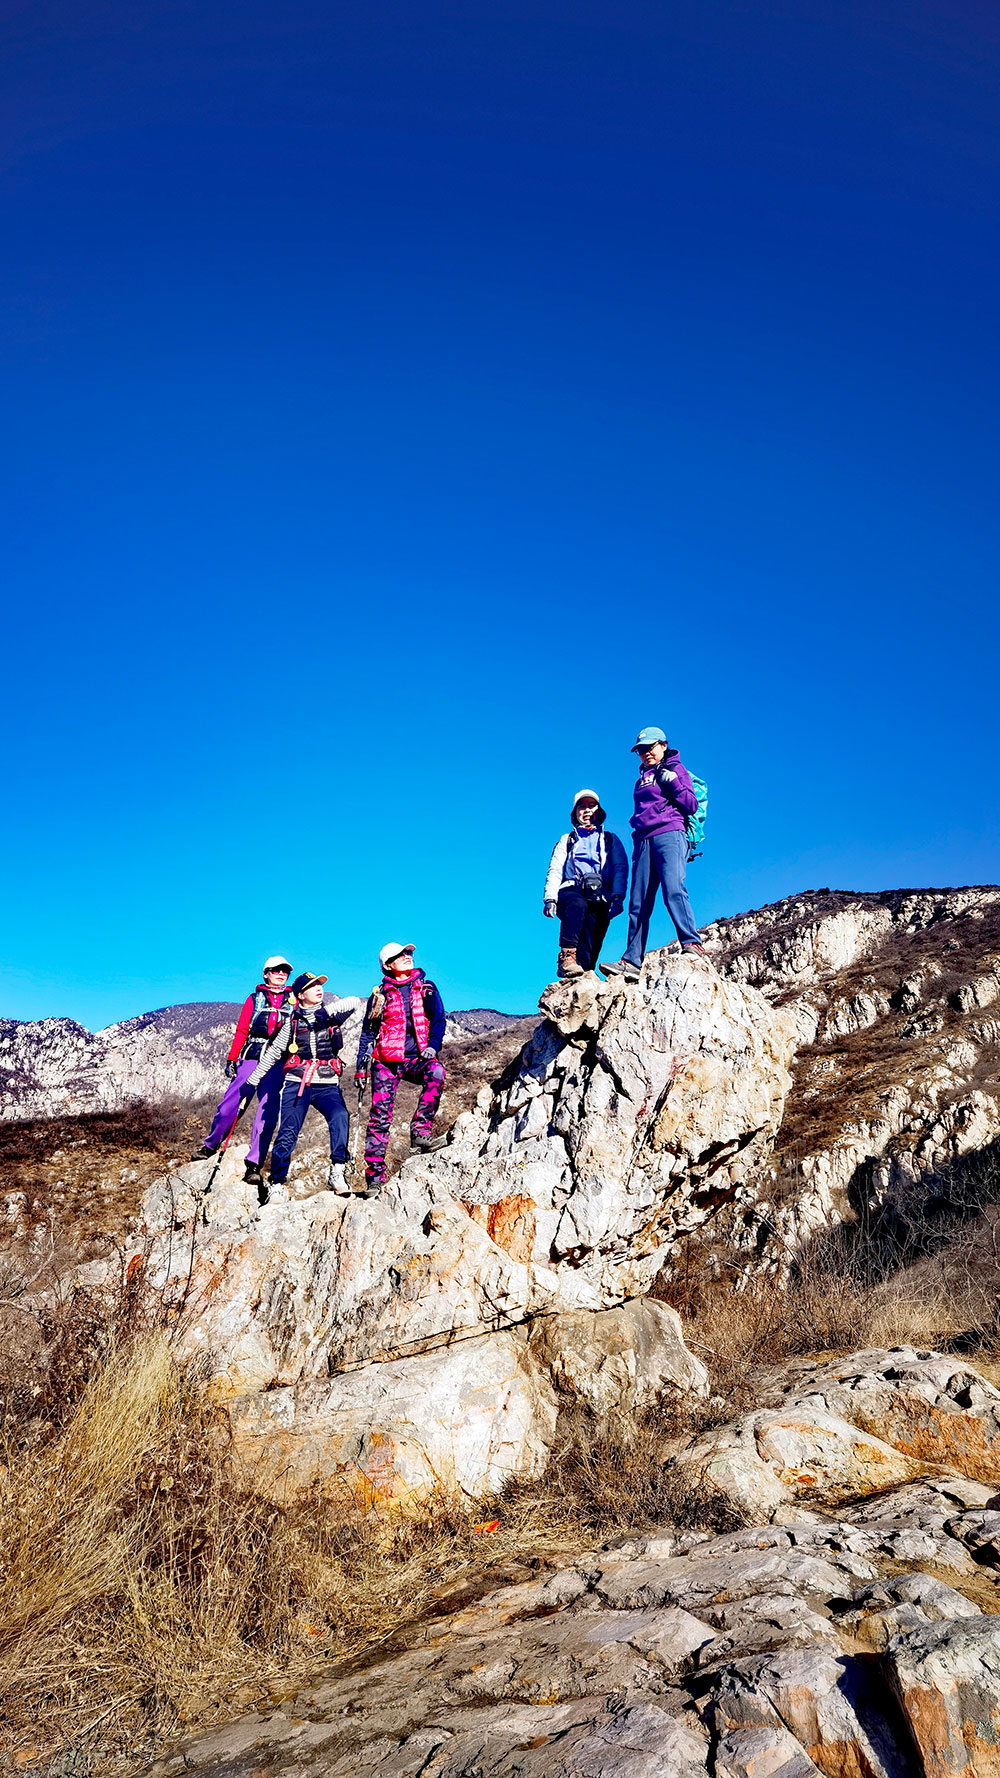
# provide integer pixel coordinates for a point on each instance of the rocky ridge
(896, 1001)
(393, 1345)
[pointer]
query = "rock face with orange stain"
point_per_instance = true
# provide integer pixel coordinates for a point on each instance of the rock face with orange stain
(854, 1428)
(634, 1112)
(462, 1420)
(527, 1240)
(947, 1679)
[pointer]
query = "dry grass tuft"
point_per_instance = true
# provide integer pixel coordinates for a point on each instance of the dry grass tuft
(613, 1477)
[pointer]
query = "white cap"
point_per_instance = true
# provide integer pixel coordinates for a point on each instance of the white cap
(388, 952)
(278, 963)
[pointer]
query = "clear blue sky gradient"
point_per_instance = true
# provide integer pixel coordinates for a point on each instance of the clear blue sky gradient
(403, 404)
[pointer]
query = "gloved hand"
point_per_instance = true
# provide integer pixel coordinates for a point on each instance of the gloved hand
(614, 909)
(361, 1082)
(665, 777)
(549, 910)
(231, 1068)
(428, 1055)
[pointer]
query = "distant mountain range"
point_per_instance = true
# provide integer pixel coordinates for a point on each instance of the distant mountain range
(52, 1067)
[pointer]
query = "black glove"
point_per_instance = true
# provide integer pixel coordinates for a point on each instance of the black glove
(614, 909)
(231, 1068)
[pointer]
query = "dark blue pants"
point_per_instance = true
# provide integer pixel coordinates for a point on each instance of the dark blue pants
(658, 862)
(324, 1096)
(582, 925)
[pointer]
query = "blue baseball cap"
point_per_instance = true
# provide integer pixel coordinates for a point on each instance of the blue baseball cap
(647, 738)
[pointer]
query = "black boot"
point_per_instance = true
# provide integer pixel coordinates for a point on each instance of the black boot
(204, 1154)
(252, 1174)
(263, 1192)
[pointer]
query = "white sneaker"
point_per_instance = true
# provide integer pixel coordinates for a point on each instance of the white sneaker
(336, 1181)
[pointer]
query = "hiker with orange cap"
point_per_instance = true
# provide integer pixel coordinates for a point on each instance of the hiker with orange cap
(262, 1014)
(401, 1038)
(306, 1051)
(586, 885)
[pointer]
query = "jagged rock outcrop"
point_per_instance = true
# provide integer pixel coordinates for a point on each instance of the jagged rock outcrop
(897, 1073)
(630, 1115)
(819, 1644)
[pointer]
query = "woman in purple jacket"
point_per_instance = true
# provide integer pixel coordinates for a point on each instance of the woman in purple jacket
(664, 795)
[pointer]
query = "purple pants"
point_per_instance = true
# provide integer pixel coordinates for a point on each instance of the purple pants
(386, 1077)
(265, 1118)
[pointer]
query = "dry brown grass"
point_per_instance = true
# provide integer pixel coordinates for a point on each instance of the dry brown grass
(934, 1282)
(146, 1590)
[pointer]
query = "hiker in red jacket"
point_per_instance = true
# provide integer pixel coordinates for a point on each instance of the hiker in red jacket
(402, 1034)
(262, 1014)
(664, 796)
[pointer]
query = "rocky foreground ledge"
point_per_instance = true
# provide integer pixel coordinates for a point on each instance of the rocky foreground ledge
(856, 1637)
(423, 1340)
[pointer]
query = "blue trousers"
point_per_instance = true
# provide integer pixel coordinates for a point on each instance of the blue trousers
(324, 1096)
(658, 862)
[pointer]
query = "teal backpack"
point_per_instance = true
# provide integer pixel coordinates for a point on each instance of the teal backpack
(694, 825)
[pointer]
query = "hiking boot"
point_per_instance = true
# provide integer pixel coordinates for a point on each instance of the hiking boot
(427, 1144)
(700, 949)
(567, 966)
(204, 1154)
(629, 970)
(263, 1193)
(252, 1174)
(370, 1191)
(335, 1181)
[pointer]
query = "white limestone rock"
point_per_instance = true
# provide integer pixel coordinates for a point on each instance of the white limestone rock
(458, 1421)
(619, 1359)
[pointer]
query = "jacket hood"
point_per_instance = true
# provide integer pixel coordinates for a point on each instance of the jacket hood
(599, 818)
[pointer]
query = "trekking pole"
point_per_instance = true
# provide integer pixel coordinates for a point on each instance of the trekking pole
(240, 1109)
(355, 1134)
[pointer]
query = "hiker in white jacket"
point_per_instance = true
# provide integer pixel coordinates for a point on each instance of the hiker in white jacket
(586, 885)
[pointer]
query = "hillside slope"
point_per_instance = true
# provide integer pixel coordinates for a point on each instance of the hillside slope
(896, 1080)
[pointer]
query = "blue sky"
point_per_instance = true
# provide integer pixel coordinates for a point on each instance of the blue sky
(405, 404)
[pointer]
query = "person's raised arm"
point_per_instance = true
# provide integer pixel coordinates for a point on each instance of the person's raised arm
(342, 1008)
(675, 780)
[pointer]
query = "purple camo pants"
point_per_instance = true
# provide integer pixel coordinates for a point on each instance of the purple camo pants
(265, 1117)
(386, 1077)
